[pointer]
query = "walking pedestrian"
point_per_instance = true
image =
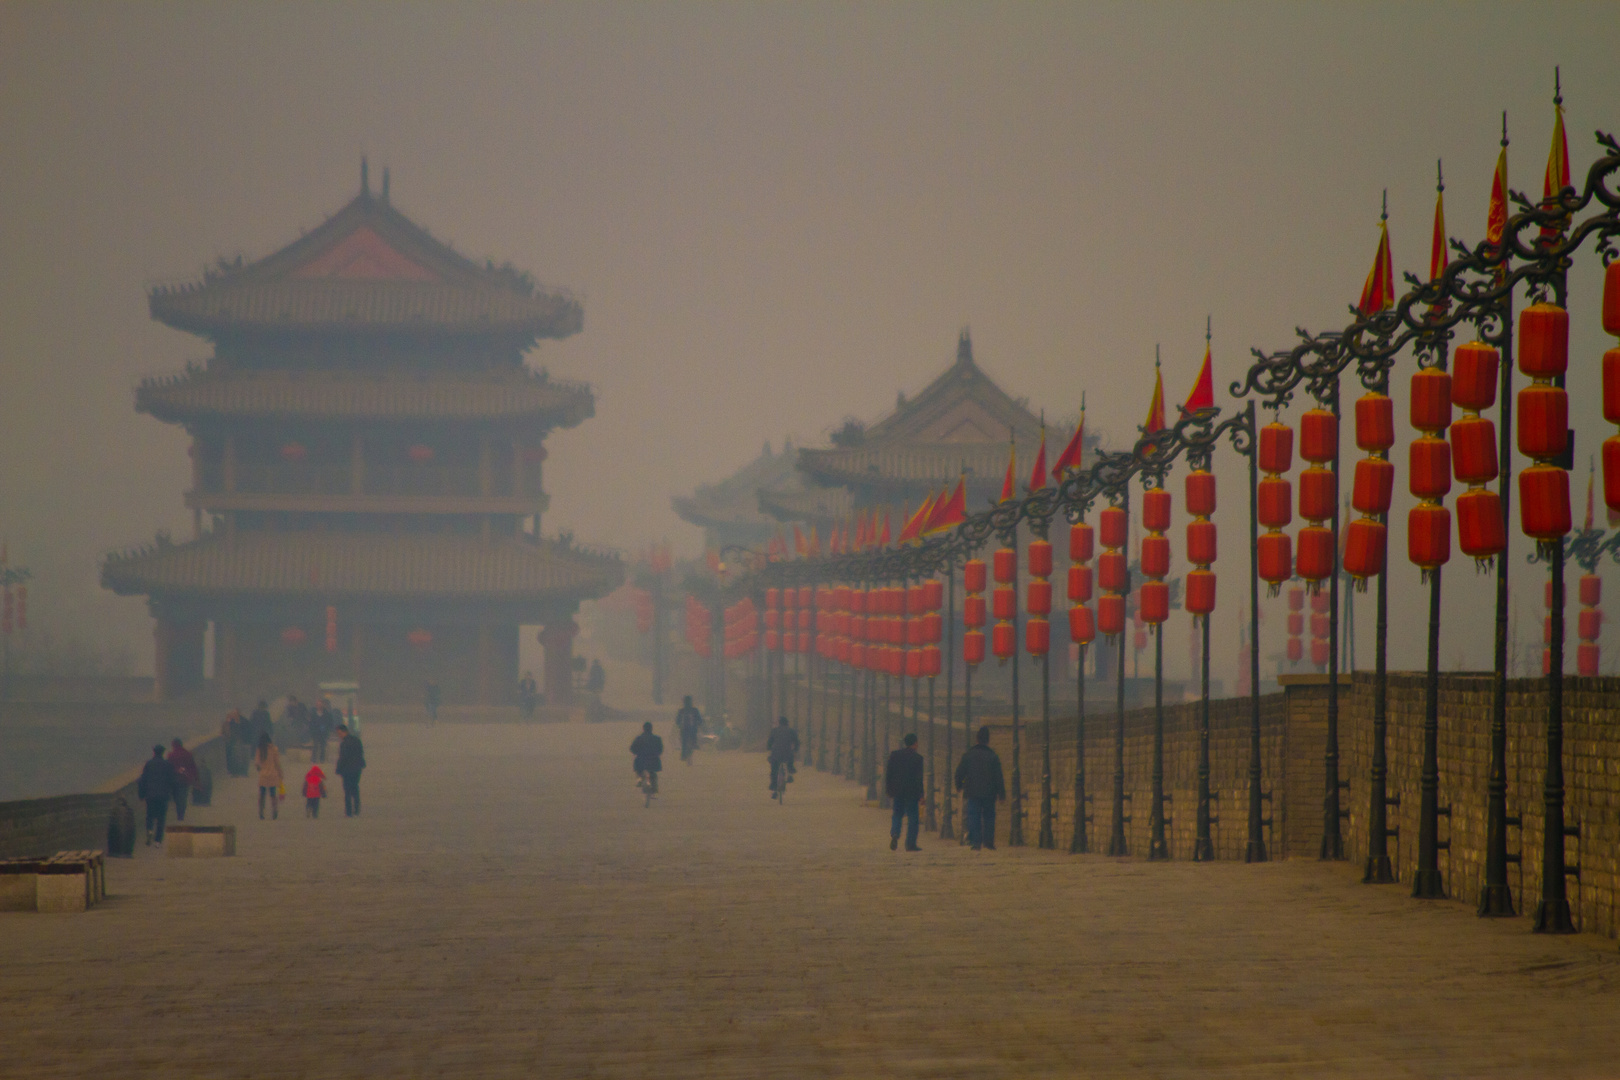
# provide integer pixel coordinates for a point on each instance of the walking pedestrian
(156, 786)
(979, 779)
(314, 791)
(259, 722)
(688, 722)
(903, 781)
(351, 762)
(267, 759)
(321, 723)
(782, 746)
(430, 701)
(186, 776)
(235, 732)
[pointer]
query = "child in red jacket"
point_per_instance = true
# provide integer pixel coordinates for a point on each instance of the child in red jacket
(314, 791)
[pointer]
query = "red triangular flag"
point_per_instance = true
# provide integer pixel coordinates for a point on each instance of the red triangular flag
(951, 511)
(1556, 178)
(1496, 220)
(883, 539)
(1037, 475)
(1155, 416)
(800, 547)
(1379, 291)
(1203, 391)
(1070, 458)
(1437, 244)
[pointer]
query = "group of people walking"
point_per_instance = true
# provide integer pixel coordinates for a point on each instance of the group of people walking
(978, 777)
(351, 762)
(168, 778)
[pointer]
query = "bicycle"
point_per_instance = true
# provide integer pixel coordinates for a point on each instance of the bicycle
(648, 783)
(779, 782)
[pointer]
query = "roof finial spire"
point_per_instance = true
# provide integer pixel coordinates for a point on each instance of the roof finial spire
(1439, 174)
(1209, 324)
(1504, 128)
(964, 346)
(385, 184)
(1558, 86)
(1384, 216)
(365, 176)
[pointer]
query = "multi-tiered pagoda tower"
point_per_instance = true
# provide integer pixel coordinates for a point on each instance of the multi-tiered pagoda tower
(367, 449)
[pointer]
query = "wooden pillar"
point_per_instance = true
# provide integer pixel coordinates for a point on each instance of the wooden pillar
(357, 465)
(356, 653)
(558, 640)
(162, 634)
(485, 689)
(225, 658)
(228, 465)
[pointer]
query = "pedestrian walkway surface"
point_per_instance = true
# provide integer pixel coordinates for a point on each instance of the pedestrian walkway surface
(507, 907)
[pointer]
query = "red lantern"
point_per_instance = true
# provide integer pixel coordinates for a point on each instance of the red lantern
(1156, 510)
(933, 625)
(934, 594)
(914, 664)
(1544, 502)
(859, 601)
(1611, 471)
(1005, 563)
(1004, 642)
(1428, 535)
(1140, 640)
(1296, 602)
(1431, 400)
(773, 619)
(1543, 421)
(1082, 626)
(419, 638)
(1611, 299)
(1006, 602)
(1544, 340)
(293, 452)
(421, 453)
(1111, 526)
(914, 600)
(1318, 494)
(1079, 583)
(1320, 603)
(1591, 590)
(1586, 659)
(1375, 423)
(1039, 598)
(1276, 557)
(1275, 497)
(1316, 551)
(931, 661)
(1374, 486)
(973, 646)
(1611, 386)
(1365, 542)
(1473, 376)
(973, 576)
(1590, 623)
(1111, 614)
(1153, 602)
(1296, 623)
(1276, 448)
(773, 598)
(804, 620)
(1296, 650)
(1480, 531)
(1320, 625)
(1111, 571)
(1429, 459)
(1040, 558)
(806, 594)
(1318, 436)
(294, 635)
(1200, 493)
(1473, 450)
(1080, 542)
(1155, 556)
(1037, 637)
(1319, 652)
(1200, 542)
(1199, 592)
(790, 641)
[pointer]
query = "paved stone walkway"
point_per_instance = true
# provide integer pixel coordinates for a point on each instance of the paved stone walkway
(506, 907)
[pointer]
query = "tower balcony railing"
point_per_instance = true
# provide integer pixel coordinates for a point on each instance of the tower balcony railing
(293, 479)
(336, 479)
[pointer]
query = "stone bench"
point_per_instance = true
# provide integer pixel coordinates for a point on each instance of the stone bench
(66, 881)
(199, 841)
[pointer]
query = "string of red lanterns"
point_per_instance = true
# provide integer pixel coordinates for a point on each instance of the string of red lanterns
(1274, 506)
(1198, 590)
(1480, 532)
(973, 613)
(1543, 423)
(1111, 571)
(1153, 600)
(1082, 623)
(1428, 524)
(1366, 541)
(1038, 629)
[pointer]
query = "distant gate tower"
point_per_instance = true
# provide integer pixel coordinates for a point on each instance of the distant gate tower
(366, 455)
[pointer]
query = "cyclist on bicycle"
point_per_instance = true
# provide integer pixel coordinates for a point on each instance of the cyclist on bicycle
(783, 747)
(688, 722)
(648, 749)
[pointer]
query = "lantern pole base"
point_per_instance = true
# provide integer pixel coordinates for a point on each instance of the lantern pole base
(1428, 885)
(1255, 852)
(1552, 917)
(1496, 901)
(1203, 850)
(1378, 872)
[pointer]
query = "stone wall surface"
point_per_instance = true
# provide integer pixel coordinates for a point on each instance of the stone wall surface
(1293, 743)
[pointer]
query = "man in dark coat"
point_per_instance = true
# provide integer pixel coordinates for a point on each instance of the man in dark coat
(351, 762)
(782, 746)
(903, 781)
(321, 723)
(185, 776)
(649, 755)
(156, 786)
(259, 724)
(688, 721)
(978, 778)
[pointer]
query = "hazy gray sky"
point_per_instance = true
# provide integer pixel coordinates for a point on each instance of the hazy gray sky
(776, 215)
